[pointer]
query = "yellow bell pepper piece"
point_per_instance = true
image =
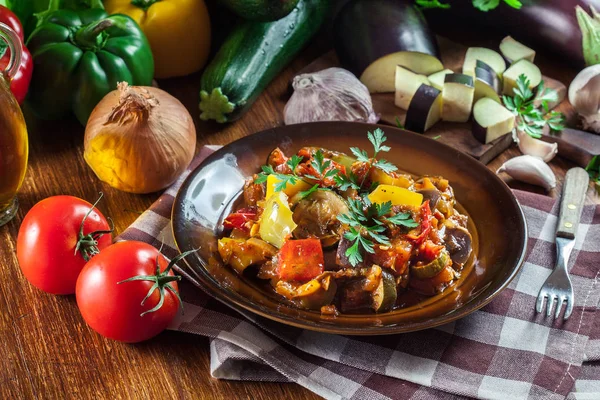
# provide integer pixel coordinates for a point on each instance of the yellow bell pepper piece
(178, 32)
(383, 178)
(276, 222)
(397, 195)
(290, 190)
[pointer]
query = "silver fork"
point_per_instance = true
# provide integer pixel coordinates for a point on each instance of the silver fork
(558, 287)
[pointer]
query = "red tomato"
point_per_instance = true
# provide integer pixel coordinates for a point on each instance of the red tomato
(20, 82)
(240, 219)
(48, 237)
(117, 309)
(300, 260)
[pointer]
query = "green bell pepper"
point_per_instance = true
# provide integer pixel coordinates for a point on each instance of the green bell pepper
(79, 56)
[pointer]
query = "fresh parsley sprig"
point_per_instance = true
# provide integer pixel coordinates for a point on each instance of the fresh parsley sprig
(377, 138)
(283, 179)
(530, 118)
(322, 167)
(367, 223)
(481, 5)
(593, 169)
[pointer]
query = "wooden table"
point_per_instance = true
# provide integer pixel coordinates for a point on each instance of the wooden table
(47, 350)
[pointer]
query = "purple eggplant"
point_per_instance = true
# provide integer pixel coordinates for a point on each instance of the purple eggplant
(540, 24)
(372, 37)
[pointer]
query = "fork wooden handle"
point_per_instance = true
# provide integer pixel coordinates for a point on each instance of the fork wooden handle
(573, 196)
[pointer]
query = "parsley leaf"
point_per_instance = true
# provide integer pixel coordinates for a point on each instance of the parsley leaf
(305, 193)
(367, 225)
(431, 4)
(385, 166)
(345, 182)
(531, 119)
(282, 179)
(377, 138)
(593, 169)
(487, 5)
(360, 155)
(398, 123)
(403, 219)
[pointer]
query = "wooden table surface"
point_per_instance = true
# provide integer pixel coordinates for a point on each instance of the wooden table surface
(47, 350)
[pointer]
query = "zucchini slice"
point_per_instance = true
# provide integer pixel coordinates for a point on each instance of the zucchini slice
(457, 97)
(491, 120)
(431, 269)
(425, 109)
(385, 295)
(514, 51)
(407, 84)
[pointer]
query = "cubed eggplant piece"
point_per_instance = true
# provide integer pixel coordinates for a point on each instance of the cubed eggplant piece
(491, 120)
(424, 110)
(514, 51)
(437, 80)
(521, 67)
(457, 97)
(488, 56)
(407, 84)
(487, 83)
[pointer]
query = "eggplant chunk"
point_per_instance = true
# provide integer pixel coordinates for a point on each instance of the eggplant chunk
(433, 195)
(491, 120)
(521, 67)
(458, 243)
(316, 217)
(424, 110)
(457, 97)
(487, 83)
(355, 296)
(514, 51)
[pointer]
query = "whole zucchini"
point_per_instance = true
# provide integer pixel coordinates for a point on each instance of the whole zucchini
(260, 10)
(252, 55)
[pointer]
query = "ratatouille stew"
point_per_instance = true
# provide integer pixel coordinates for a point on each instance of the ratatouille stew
(340, 233)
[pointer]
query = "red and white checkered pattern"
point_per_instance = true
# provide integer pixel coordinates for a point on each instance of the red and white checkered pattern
(503, 351)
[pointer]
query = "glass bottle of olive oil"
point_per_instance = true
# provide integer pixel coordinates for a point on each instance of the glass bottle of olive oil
(14, 145)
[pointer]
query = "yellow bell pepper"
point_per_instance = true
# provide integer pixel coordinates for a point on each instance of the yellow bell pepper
(397, 195)
(276, 222)
(383, 178)
(290, 190)
(178, 32)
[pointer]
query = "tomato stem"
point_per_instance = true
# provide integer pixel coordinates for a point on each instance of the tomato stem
(87, 245)
(162, 281)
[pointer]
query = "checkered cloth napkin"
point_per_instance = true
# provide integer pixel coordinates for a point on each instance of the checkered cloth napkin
(503, 351)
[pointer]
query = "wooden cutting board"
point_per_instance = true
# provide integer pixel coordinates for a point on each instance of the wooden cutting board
(457, 135)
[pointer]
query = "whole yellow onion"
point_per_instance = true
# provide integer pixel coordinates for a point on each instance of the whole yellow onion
(139, 139)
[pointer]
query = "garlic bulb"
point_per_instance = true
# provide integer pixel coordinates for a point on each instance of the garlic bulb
(535, 147)
(332, 94)
(584, 96)
(529, 169)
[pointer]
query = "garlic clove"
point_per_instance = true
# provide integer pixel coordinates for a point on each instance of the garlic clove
(535, 147)
(529, 169)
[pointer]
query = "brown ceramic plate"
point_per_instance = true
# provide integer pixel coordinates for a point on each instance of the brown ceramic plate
(214, 189)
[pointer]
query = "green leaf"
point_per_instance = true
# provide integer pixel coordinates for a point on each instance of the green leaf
(383, 208)
(514, 4)
(385, 166)
(305, 193)
(345, 182)
(593, 168)
(485, 5)
(377, 138)
(293, 162)
(425, 4)
(360, 155)
(398, 123)
(403, 219)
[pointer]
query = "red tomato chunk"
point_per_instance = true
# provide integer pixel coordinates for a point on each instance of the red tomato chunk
(300, 260)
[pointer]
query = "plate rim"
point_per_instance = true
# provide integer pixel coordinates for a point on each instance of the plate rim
(274, 315)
